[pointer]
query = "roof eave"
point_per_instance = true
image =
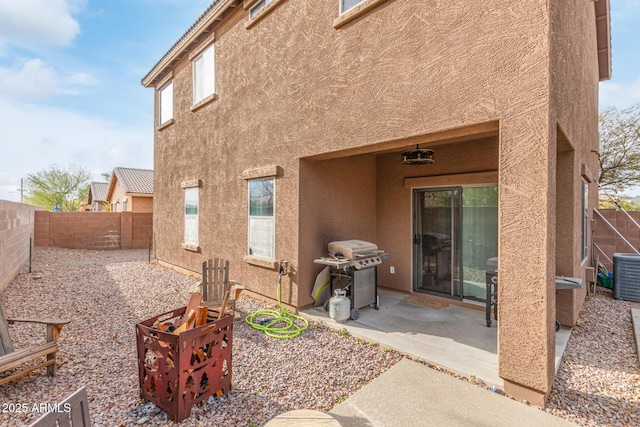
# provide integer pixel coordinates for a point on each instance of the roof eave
(603, 35)
(203, 25)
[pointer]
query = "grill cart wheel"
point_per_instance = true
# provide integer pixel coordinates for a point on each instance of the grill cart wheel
(355, 314)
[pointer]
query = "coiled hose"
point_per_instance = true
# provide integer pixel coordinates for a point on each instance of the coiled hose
(277, 324)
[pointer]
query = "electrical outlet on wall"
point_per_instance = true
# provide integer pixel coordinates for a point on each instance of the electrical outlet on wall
(392, 270)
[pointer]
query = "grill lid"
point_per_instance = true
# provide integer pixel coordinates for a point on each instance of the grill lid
(352, 249)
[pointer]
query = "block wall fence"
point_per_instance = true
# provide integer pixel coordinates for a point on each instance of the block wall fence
(607, 239)
(93, 230)
(129, 230)
(16, 227)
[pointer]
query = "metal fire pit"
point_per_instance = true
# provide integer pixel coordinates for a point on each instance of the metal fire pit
(179, 371)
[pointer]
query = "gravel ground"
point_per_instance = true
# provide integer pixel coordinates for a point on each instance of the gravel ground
(107, 293)
(598, 383)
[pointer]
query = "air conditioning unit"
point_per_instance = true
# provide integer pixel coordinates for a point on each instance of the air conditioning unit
(626, 277)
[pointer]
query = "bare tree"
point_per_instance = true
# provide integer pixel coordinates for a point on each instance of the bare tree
(619, 148)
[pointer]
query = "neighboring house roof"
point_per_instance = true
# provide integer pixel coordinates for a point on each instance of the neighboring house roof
(98, 191)
(138, 181)
(133, 181)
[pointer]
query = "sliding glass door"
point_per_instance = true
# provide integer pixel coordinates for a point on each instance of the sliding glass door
(437, 261)
(455, 232)
(479, 238)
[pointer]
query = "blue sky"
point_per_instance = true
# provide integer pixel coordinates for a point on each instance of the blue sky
(70, 74)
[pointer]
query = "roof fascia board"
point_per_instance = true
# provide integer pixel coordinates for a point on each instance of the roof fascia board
(112, 185)
(186, 40)
(603, 32)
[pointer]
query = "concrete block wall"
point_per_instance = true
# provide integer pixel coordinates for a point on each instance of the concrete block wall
(607, 239)
(141, 230)
(93, 230)
(16, 227)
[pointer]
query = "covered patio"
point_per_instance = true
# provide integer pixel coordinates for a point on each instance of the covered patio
(452, 337)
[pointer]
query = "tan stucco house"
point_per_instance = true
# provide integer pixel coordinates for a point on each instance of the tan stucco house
(97, 196)
(130, 190)
(280, 127)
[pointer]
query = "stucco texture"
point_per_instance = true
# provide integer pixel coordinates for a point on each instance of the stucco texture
(487, 84)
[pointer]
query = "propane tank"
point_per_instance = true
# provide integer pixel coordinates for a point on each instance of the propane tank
(339, 306)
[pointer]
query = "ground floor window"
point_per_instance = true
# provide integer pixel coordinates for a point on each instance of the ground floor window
(191, 208)
(262, 217)
(585, 219)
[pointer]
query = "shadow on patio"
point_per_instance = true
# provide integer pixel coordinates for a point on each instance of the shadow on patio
(452, 337)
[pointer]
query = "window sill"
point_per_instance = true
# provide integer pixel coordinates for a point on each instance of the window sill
(261, 262)
(264, 12)
(165, 125)
(192, 248)
(204, 102)
(356, 12)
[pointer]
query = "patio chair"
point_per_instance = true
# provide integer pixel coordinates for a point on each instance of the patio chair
(216, 284)
(10, 359)
(72, 411)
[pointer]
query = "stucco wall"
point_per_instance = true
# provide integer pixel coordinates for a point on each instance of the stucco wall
(16, 228)
(293, 91)
(337, 203)
(393, 206)
(351, 88)
(118, 197)
(572, 118)
(141, 204)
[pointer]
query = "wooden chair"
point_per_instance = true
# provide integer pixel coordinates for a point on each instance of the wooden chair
(72, 411)
(216, 284)
(10, 359)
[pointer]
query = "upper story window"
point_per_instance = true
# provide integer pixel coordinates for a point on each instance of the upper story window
(258, 7)
(203, 75)
(348, 4)
(166, 103)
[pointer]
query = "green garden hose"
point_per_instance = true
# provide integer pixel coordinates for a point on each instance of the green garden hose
(277, 324)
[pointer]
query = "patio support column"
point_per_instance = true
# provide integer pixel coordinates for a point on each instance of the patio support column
(526, 251)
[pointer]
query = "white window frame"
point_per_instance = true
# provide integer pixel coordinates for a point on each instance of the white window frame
(191, 221)
(584, 212)
(204, 75)
(343, 10)
(261, 4)
(261, 227)
(166, 103)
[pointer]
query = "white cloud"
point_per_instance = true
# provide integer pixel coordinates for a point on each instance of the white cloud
(35, 79)
(82, 79)
(35, 137)
(40, 22)
(621, 95)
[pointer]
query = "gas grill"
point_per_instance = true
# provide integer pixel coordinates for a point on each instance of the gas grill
(353, 267)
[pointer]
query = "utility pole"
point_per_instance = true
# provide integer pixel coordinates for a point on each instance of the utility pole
(21, 190)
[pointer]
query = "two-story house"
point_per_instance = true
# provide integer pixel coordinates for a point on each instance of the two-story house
(280, 127)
